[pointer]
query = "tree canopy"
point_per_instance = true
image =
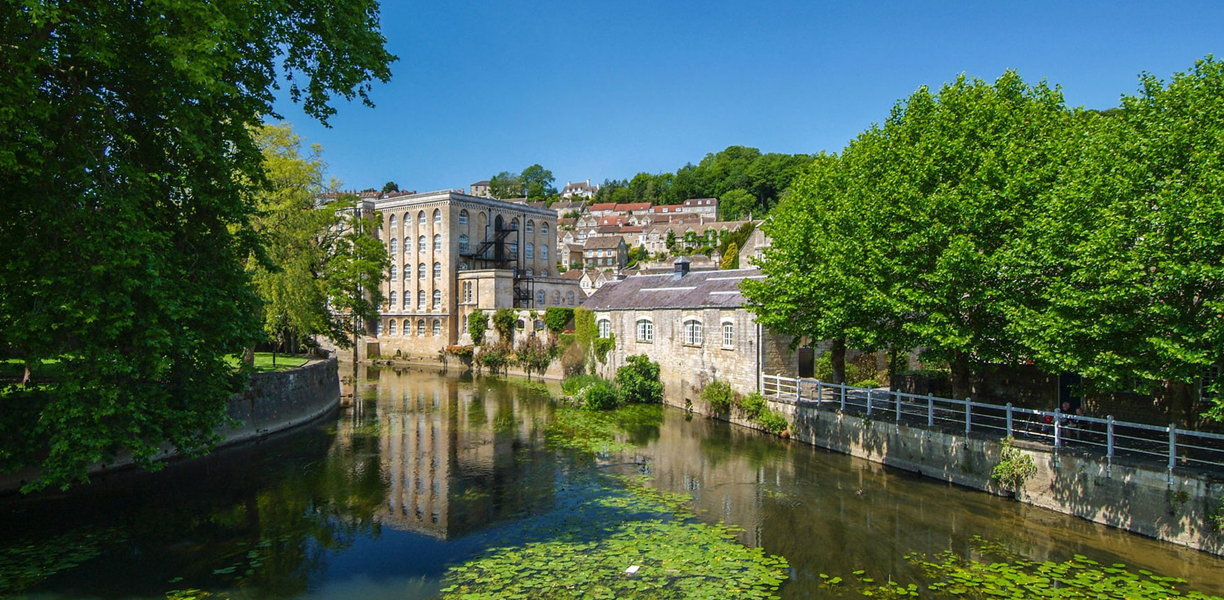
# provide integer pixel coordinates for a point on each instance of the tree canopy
(128, 176)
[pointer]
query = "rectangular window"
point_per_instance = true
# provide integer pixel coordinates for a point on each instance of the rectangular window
(692, 333)
(645, 331)
(728, 335)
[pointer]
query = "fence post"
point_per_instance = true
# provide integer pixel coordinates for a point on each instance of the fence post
(898, 395)
(868, 401)
(968, 415)
(843, 397)
(1172, 448)
(1009, 419)
(798, 391)
(1058, 428)
(930, 410)
(1109, 446)
(819, 393)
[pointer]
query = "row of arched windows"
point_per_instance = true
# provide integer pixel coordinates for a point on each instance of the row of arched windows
(436, 327)
(437, 300)
(463, 220)
(694, 334)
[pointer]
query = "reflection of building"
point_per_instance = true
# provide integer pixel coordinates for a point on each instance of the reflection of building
(455, 460)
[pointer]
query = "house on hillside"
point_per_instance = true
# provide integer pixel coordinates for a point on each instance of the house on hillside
(605, 252)
(694, 325)
(480, 189)
(708, 207)
(579, 189)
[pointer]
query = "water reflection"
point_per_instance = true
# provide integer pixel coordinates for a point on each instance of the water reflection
(423, 471)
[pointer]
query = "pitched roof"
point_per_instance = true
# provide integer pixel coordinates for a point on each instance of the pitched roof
(572, 274)
(701, 202)
(603, 206)
(632, 206)
(631, 229)
(602, 242)
(666, 208)
(484, 182)
(705, 289)
(613, 220)
(608, 229)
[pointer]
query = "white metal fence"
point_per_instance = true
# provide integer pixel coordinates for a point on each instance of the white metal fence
(1170, 446)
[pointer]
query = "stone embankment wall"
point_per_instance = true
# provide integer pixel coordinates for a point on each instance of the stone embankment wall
(272, 402)
(1137, 498)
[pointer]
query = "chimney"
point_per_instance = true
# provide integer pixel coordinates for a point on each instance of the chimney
(682, 267)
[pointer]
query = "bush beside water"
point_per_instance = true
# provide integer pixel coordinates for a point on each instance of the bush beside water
(753, 407)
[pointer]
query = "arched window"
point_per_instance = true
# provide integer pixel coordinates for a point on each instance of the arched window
(514, 223)
(421, 218)
(530, 250)
(692, 332)
(391, 273)
(421, 327)
(645, 331)
(437, 328)
(530, 273)
(544, 252)
(437, 216)
(543, 228)
(530, 226)
(463, 266)
(541, 297)
(463, 217)
(421, 300)
(513, 248)
(728, 334)
(391, 302)
(437, 242)
(407, 305)
(463, 244)
(437, 270)
(437, 299)
(543, 272)
(394, 245)
(378, 328)
(421, 244)
(391, 327)
(421, 271)
(569, 298)
(557, 297)
(605, 328)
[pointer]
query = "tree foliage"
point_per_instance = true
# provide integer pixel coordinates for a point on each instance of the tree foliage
(638, 381)
(730, 257)
(505, 185)
(477, 323)
(538, 181)
(356, 265)
(557, 317)
(128, 169)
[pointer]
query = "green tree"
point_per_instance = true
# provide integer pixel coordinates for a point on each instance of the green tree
(956, 176)
(135, 135)
(737, 204)
(295, 237)
(538, 181)
(505, 185)
(389, 187)
(503, 322)
(356, 264)
(730, 258)
(1126, 260)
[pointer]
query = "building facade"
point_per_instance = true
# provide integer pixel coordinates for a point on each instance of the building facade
(694, 325)
(579, 189)
(452, 253)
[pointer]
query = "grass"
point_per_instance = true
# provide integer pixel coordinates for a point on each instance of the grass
(263, 361)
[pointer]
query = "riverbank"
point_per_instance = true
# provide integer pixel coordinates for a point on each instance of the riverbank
(1131, 497)
(272, 402)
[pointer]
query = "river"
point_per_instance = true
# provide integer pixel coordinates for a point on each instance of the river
(427, 471)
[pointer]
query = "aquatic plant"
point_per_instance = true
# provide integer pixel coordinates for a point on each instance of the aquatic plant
(634, 542)
(571, 385)
(600, 395)
(1014, 467)
(26, 563)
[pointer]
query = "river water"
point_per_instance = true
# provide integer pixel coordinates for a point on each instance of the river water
(425, 471)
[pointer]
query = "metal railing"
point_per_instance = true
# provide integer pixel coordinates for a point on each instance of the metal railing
(1171, 446)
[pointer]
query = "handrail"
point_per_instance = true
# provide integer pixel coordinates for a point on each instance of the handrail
(1116, 438)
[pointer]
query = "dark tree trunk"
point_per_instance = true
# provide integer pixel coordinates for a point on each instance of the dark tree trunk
(837, 355)
(962, 387)
(1179, 398)
(248, 356)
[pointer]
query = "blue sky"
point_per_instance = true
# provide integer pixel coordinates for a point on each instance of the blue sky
(606, 89)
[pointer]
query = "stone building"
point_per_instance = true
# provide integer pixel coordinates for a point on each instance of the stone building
(452, 253)
(702, 206)
(481, 188)
(605, 252)
(579, 189)
(694, 325)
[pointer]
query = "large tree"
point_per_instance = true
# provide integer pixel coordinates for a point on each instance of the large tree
(962, 172)
(128, 171)
(538, 181)
(1126, 257)
(505, 185)
(355, 267)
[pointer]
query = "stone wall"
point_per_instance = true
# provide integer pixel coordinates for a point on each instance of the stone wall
(1133, 497)
(272, 402)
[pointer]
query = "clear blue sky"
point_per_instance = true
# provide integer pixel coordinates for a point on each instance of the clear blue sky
(606, 89)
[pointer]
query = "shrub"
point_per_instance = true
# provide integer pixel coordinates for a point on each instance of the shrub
(753, 406)
(494, 358)
(573, 360)
(463, 353)
(533, 355)
(867, 383)
(602, 346)
(557, 317)
(1014, 467)
(719, 395)
(504, 321)
(573, 384)
(477, 324)
(639, 381)
(600, 395)
(566, 339)
(772, 421)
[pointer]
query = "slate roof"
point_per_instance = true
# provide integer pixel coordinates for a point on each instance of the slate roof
(705, 289)
(597, 243)
(572, 274)
(701, 202)
(483, 182)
